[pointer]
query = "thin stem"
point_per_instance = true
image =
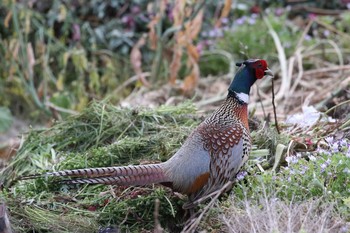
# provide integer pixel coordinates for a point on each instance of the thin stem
(274, 107)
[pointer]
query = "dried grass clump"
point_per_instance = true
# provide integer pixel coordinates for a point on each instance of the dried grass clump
(275, 215)
(102, 135)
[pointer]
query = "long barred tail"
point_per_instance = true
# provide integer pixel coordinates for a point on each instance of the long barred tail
(127, 175)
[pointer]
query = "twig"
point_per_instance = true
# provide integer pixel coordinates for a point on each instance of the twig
(4, 220)
(333, 29)
(335, 106)
(282, 59)
(128, 82)
(157, 227)
(60, 109)
(274, 107)
(324, 70)
(193, 223)
(302, 37)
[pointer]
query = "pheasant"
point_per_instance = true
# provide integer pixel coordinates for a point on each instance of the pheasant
(211, 156)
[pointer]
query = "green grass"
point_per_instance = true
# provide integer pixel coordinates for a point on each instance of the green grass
(102, 135)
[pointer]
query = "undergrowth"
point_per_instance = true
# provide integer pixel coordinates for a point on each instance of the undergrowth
(105, 135)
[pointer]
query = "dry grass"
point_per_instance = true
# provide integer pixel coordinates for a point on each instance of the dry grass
(274, 215)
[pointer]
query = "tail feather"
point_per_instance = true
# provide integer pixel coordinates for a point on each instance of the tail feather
(127, 175)
(120, 180)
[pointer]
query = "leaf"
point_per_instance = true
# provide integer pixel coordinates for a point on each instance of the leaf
(6, 119)
(136, 60)
(224, 12)
(152, 35)
(175, 63)
(191, 80)
(31, 58)
(193, 52)
(60, 81)
(278, 155)
(193, 27)
(178, 12)
(7, 19)
(61, 100)
(62, 15)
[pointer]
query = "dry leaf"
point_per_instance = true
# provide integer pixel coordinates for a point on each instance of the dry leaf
(31, 58)
(178, 12)
(193, 52)
(183, 40)
(224, 12)
(152, 35)
(175, 63)
(9, 148)
(136, 59)
(193, 27)
(7, 19)
(191, 80)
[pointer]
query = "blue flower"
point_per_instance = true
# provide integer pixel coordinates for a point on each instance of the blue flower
(241, 175)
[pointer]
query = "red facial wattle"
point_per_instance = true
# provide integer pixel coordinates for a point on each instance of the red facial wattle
(260, 66)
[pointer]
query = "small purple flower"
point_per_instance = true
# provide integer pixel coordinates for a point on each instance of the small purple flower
(251, 21)
(211, 33)
(323, 151)
(292, 160)
(323, 166)
(219, 32)
(348, 6)
(348, 153)
(307, 37)
(326, 33)
(240, 21)
(225, 28)
(346, 170)
(135, 9)
(254, 16)
(76, 32)
(329, 140)
(224, 20)
(200, 47)
(343, 144)
(312, 16)
(241, 175)
(279, 11)
(312, 158)
(335, 147)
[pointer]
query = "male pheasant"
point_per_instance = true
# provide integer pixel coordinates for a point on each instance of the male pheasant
(211, 156)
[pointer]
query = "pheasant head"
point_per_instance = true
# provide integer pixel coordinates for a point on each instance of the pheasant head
(249, 71)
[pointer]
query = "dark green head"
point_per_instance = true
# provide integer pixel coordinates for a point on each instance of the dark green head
(249, 71)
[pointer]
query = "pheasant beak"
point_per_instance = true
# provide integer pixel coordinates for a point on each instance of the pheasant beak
(268, 72)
